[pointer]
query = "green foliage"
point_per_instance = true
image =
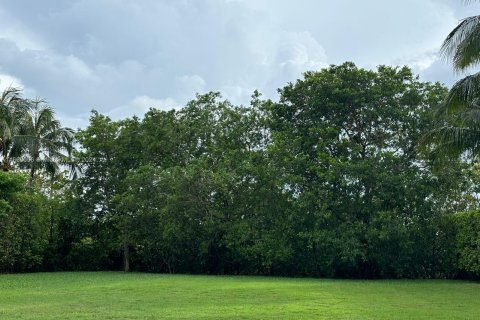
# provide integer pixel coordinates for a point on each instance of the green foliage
(346, 140)
(328, 181)
(468, 241)
(23, 225)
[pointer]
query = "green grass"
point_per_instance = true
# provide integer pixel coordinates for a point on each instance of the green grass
(115, 295)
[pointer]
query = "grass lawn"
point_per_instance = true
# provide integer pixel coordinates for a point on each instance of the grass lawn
(115, 295)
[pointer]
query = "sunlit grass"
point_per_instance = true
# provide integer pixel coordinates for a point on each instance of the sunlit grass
(112, 295)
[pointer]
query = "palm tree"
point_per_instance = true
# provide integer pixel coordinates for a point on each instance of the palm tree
(459, 129)
(12, 110)
(45, 144)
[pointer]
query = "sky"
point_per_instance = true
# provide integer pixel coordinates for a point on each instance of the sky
(122, 57)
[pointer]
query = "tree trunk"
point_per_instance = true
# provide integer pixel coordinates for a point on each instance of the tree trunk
(5, 164)
(32, 171)
(126, 257)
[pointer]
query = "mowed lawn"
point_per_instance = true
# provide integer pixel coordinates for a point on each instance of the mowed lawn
(116, 295)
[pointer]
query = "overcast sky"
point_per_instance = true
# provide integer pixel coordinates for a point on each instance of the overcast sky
(122, 57)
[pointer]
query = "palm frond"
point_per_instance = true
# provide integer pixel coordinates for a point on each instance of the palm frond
(452, 141)
(9, 96)
(462, 44)
(470, 118)
(464, 93)
(467, 54)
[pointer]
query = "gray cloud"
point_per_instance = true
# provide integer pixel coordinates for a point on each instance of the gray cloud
(122, 57)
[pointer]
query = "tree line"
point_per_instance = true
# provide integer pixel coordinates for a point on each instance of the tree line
(341, 177)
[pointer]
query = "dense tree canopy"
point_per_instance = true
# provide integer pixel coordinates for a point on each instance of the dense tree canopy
(328, 181)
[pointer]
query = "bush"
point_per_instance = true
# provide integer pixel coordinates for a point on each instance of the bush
(468, 242)
(23, 225)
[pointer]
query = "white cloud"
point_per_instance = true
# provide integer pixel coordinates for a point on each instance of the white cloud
(78, 67)
(187, 86)
(420, 61)
(75, 122)
(13, 30)
(140, 105)
(297, 52)
(100, 53)
(7, 81)
(237, 94)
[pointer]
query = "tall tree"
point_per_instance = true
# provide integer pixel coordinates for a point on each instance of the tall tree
(345, 138)
(12, 111)
(45, 143)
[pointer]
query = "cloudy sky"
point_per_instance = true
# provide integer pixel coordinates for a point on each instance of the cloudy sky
(122, 57)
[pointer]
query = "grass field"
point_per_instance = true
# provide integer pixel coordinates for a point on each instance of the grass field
(115, 295)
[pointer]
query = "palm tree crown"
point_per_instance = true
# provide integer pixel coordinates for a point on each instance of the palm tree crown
(31, 136)
(46, 144)
(458, 131)
(12, 110)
